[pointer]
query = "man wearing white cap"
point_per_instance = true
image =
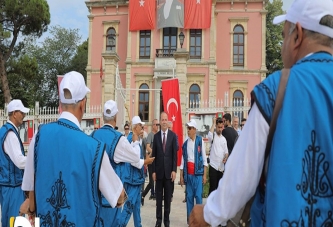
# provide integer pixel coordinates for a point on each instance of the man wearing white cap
(12, 162)
(193, 166)
(133, 181)
(297, 185)
(66, 169)
(120, 151)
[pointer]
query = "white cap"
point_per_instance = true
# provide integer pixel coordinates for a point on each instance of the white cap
(74, 82)
(110, 108)
(309, 13)
(192, 123)
(137, 120)
(16, 104)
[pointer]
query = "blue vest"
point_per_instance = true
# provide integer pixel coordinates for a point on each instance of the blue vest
(110, 137)
(10, 175)
(135, 176)
(198, 161)
(299, 185)
(67, 164)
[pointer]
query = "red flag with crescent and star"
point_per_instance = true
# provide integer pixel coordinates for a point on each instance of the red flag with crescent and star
(172, 106)
(142, 15)
(197, 14)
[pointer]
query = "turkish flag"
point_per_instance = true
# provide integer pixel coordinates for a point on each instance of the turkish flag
(142, 14)
(197, 14)
(172, 106)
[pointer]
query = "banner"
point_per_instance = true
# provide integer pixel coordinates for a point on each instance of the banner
(172, 106)
(170, 13)
(198, 14)
(142, 15)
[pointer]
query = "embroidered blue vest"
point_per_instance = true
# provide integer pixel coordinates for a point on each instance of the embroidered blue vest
(135, 176)
(10, 175)
(110, 137)
(198, 160)
(299, 181)
(67, 164)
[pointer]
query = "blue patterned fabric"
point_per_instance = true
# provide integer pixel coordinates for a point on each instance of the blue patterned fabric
(67, 164)
(10, 174)
(299, 185)
(199, 166)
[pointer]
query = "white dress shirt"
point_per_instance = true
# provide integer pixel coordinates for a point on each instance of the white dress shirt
(190, 153)
(238, 185)
(109, 183)
(218, 151)
(12, 147)
(128, 152)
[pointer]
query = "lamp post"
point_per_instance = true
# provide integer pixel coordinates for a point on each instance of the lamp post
(181, 39)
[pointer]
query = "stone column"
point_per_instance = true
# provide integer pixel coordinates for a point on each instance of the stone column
(181, 56)
(263, 44)
(88, 68)
(109, 83)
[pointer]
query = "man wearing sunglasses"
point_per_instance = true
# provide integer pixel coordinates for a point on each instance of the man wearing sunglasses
(193, 166)
(12, 162)
(127, 130)
(149, 146)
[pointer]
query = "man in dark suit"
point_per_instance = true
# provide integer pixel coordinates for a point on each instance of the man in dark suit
(164, 168)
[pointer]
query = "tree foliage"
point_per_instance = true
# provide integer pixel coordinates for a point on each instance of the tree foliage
(56, 55)
(273, 37)
(19, 17)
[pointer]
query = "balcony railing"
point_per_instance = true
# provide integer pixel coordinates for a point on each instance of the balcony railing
(164, 53)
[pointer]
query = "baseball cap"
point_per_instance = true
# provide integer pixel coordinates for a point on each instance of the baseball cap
(110, 108)
(16, 104)
(137, 120)
(309, 13)
(74, 82)
(192, 123)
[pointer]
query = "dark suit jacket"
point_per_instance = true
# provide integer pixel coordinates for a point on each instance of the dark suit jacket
(164, 163)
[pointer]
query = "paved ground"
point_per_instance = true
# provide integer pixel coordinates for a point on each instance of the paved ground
(177, 214)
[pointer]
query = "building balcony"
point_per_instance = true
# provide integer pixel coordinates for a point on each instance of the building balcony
(165, 53)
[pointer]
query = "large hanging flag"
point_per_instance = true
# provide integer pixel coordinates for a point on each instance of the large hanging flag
(198, 14)
(170, 13)
(172, 106)
(142, 15)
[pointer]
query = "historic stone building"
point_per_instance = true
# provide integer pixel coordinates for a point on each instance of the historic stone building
(218, 66)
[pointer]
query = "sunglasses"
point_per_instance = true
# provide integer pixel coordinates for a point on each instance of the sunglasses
(157, 125)
(242, 125)
(126, 128)
(190, 128)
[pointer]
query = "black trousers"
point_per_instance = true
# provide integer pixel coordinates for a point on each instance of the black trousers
(214, 178)
(150, 185)
(163, 185)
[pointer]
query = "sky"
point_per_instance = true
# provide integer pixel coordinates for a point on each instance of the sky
(73, 14)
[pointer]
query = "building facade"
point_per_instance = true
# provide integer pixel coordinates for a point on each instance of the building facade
(216, 67)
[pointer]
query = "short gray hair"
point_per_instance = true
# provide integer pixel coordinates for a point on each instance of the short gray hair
(320, 38)
(108, 119)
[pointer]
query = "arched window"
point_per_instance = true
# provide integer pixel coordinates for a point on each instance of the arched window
(194, 97)
(238, 101)
(144, 103)
(238, 45)
(111, 39)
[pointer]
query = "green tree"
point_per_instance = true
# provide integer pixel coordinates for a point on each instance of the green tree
(80, 60)
(273, 37)
(54, 57)
(19, 17)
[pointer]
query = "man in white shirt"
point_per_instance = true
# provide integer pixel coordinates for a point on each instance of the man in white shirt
(296, 185)
(119, 150)
(193, 166)
(12, 162)
(218, 153)
(64, 162)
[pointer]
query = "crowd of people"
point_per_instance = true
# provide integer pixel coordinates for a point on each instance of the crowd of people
(283, 172)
